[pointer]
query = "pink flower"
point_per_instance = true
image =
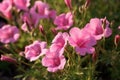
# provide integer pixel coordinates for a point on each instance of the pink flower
(99, 28)
(59, 42)
(53, 61)
(9, 34)
(40, 9)
(22, 4)
(30, 19)
(7, 59)
(5, 8)
(64, 21)
(35, 50)
(82, 41)
(68, 3)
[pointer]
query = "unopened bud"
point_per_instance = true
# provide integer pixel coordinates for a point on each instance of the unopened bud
(94, 57)
(87, 3)
(54, 31)
(41, 29)
(7, 59)
(68, 3)
(117, 39)
(21, 53)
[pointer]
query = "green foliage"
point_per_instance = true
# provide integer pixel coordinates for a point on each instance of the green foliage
(107, 63)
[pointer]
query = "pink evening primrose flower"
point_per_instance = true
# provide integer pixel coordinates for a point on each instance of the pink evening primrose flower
(22, 4)
(53, 61)
(64, 21)
(5, 8)
(99, 28)
(35, 50)
(59, 42)
(30, 19)
(68, 3)
(40, 9)
(82, 41)
(9, 34)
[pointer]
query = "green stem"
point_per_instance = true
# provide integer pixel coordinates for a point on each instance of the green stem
(2, 51)
(45, 38)
(25, 63)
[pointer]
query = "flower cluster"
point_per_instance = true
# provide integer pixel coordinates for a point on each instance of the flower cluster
(83, 40)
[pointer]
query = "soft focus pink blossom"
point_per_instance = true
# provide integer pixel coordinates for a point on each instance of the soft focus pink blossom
(96, 28)
(22, 4)
(40, 9)
(30, 19)
(64, 21)
(53, 61)
(82, 41)
(26, 18)
(59, 42)
(5, 8)
(7, 59)
(35, 50)
(68, 3)
(9, 34)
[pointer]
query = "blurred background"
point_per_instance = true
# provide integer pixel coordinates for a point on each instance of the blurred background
(108, 66)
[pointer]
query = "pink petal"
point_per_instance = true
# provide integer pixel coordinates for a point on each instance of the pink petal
(74, 34)
(107, 32)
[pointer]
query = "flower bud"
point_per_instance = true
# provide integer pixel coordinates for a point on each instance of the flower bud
(68, 3)
(87, 3)
(7, 59)
(117, 39)
(54, 31)
(41, 29)
(21, 53)
(94, 57)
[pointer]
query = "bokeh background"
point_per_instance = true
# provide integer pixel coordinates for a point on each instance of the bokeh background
(108, 65)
